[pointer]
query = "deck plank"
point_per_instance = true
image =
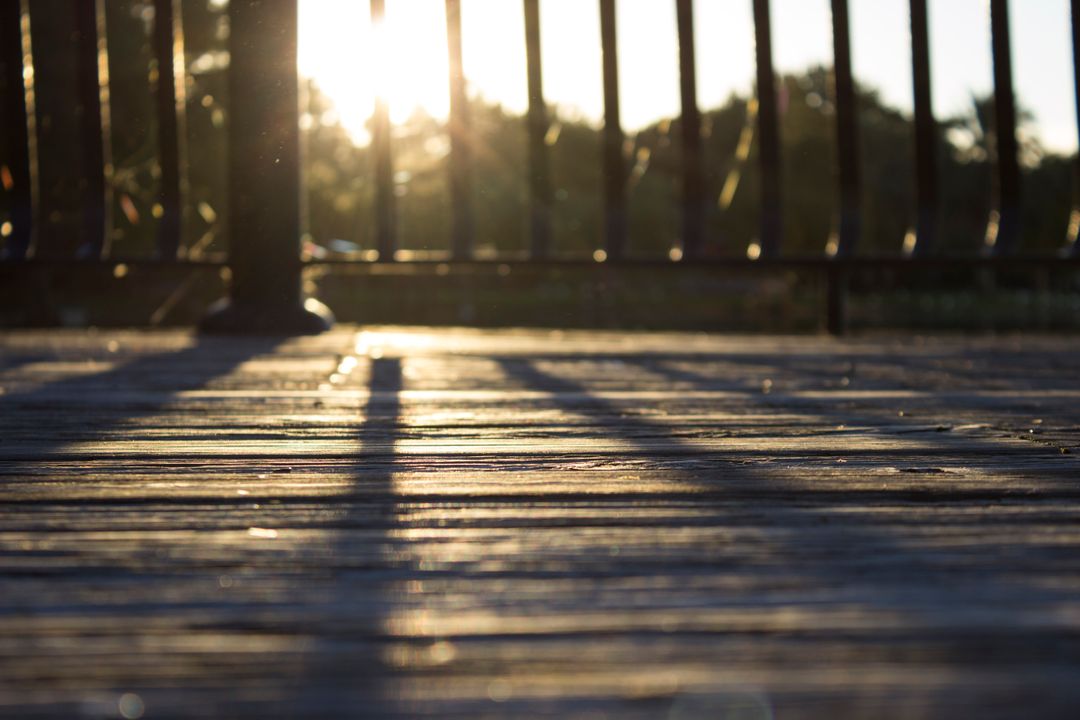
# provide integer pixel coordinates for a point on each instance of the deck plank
(461, 523)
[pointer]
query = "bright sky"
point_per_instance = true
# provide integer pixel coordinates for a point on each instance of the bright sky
(337, 49)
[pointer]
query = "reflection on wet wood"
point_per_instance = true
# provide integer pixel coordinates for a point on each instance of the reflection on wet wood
(481, 524)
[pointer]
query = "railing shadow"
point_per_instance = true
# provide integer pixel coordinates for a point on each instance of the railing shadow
(945, 598)
(57, 432)
(345, 578)
(348, 666)
(59, 416)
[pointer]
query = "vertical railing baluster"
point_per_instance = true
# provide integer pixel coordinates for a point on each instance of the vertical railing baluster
(460, 140)
(539, 169)
(17, 123)
(926, 175)
(614, 163)
(1072, 240)
(266, 295)
(385, 211)
(768, 134)
(93, 99)
(1003, 229)
(847, 142)
(849, 225)
(693, 157)
(170, 98)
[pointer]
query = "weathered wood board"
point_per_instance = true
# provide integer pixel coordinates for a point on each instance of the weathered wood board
(462, 523)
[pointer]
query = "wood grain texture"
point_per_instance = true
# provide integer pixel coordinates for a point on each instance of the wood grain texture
(459, 523)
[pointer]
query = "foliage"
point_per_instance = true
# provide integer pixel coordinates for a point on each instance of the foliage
(339, 174)
(340, 181)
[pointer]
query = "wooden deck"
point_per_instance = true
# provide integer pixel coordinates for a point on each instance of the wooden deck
(456, 523)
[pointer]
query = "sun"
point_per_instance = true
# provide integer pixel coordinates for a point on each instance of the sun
(339, 48)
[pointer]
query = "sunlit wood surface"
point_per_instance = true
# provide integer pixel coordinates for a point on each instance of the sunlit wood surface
(462, 523)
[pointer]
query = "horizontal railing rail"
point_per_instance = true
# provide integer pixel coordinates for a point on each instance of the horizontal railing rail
(264, 165)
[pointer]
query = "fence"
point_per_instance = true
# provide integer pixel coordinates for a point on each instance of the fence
(264, 177)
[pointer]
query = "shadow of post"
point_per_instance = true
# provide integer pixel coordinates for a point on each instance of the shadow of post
(348, 669)
(954, 605)
(51, 419)
(342, 585)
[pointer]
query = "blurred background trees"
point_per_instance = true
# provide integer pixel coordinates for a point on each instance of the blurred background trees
(339, 173)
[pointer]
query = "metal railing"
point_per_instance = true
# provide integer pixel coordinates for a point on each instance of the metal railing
(264, 182)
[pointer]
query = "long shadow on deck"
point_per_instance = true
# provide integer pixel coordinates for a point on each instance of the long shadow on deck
(46, 430)
(352, 573)
(349, 667)
(933, 603)
(44, 422)
(330, 596)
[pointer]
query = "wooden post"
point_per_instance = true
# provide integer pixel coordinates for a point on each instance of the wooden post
(1072, 240)
(460, 151)
(693, 155)
(385, 210)
(614, 163)
(539, 169)
(264, 177)
(1003, 228)
(847, 144)
(16, 124)
(926, 224)
(93, 100)
(772, 229)
(847, 141)
(836, 299)
(170, 97)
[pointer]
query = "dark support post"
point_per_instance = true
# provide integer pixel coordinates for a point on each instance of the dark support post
(385, 212)
(1003, 229)
(847, 140)
(460, 139)
(836, 296)
(1073, 240)
(93, 100)
(693, 157)
(768, 134)
(264, 178)
(18, 183)
(539, 173)
(170, 97)
(925, 134)
(614, 163)
(847, 144)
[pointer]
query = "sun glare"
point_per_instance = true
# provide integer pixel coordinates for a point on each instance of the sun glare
(406, 59)
(339, 46)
